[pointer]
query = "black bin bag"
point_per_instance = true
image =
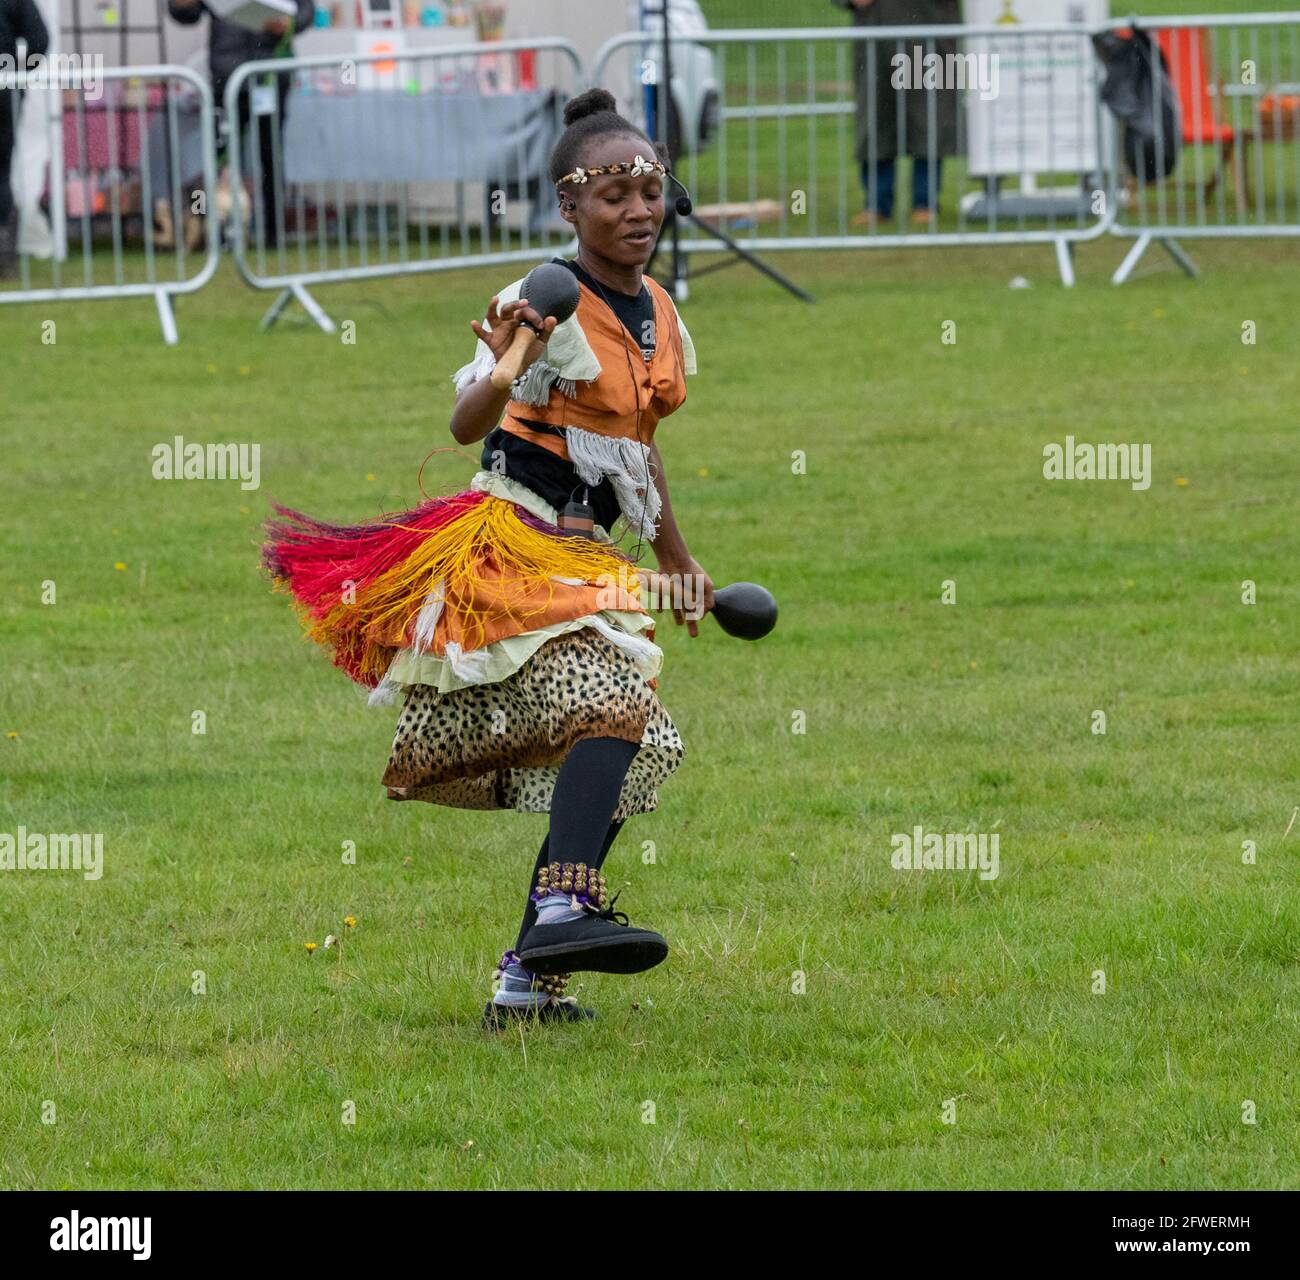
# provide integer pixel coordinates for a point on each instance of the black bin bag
(1139, 94)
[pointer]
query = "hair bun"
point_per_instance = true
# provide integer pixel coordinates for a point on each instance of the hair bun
(589, 104)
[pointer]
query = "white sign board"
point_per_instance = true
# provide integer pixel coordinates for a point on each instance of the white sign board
(1043, 117)
(252, 15)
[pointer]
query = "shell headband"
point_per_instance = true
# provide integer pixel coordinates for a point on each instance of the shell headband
(635, 168)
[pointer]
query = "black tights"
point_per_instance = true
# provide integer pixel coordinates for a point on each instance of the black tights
(587, 791)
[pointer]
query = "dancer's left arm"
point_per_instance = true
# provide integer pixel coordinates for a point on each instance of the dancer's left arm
(671, 551)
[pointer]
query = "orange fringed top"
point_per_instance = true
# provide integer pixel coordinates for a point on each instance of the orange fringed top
(628, 383)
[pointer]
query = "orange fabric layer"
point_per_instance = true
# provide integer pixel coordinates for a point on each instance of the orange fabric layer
(629, 386)
(494, 600)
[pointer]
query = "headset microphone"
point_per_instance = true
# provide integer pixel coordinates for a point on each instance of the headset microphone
(683, 203)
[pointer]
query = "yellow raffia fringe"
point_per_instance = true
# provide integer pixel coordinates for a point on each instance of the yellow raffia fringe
(385, 609)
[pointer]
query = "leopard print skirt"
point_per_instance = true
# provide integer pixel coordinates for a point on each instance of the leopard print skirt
(500, 745)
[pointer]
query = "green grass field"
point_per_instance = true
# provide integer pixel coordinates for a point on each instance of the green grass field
(1120, 852)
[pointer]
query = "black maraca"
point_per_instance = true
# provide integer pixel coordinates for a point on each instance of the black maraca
(745, 609)
(551, 290)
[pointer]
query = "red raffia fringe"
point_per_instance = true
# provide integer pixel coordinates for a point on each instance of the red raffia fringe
(360, 588)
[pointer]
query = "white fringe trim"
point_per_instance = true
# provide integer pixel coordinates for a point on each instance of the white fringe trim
(480, 367)
(626, 463)
(470, 666)
(534, 386)
(426, 622)
(385, 693)
(647, 655)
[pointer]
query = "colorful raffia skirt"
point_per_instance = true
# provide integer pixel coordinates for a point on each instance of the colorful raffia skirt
(506, 638)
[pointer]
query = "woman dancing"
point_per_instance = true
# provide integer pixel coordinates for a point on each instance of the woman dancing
(505, 615)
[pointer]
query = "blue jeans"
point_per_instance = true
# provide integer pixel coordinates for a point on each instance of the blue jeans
(926, 180)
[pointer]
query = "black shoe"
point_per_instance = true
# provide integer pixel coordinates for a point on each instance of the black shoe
(596, 941)
(497, 1017)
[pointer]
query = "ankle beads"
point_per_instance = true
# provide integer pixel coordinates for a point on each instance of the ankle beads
(582, 883)
(551, 985)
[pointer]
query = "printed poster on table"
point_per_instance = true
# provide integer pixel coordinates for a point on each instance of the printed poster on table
(1044, 116)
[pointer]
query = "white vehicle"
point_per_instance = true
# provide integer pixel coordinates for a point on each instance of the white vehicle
(693, 94)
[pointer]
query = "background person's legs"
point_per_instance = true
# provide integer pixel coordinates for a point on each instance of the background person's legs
(926, 180)
(8, 112)
(270, 138)
(8, 218)
(270, 160)
(884, 187)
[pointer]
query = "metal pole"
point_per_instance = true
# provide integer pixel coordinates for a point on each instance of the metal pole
(677, 283)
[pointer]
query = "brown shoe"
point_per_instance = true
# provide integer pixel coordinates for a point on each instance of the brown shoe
(164, 233)
(868, 218)
(921, 218)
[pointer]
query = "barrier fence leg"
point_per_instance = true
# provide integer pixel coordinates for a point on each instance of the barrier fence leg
(309, 305)
(273, 311)
(1180, 256)
(1125, 268)
(1140, 246)
(166, 317)
(1065, 262)
(312, 308)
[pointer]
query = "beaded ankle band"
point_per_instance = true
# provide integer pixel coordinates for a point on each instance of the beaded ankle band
(635, 167)
(582, 883)
(551, 984)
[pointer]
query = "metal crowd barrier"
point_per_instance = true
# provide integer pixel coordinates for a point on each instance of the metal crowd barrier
(130, 160)
(1237, 170)
(812, 122)
(389, 164)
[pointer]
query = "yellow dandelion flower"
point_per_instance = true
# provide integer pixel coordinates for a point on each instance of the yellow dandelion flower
(703, 471)
(243, 371)
(370, 475)
(350, 921)
(12, 735)
(1182, 482)
(311, 946)
(119, 566)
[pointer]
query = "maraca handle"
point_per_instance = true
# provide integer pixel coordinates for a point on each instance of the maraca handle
(510, 364)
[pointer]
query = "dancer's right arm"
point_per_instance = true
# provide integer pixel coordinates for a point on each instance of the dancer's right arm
(480, 406)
